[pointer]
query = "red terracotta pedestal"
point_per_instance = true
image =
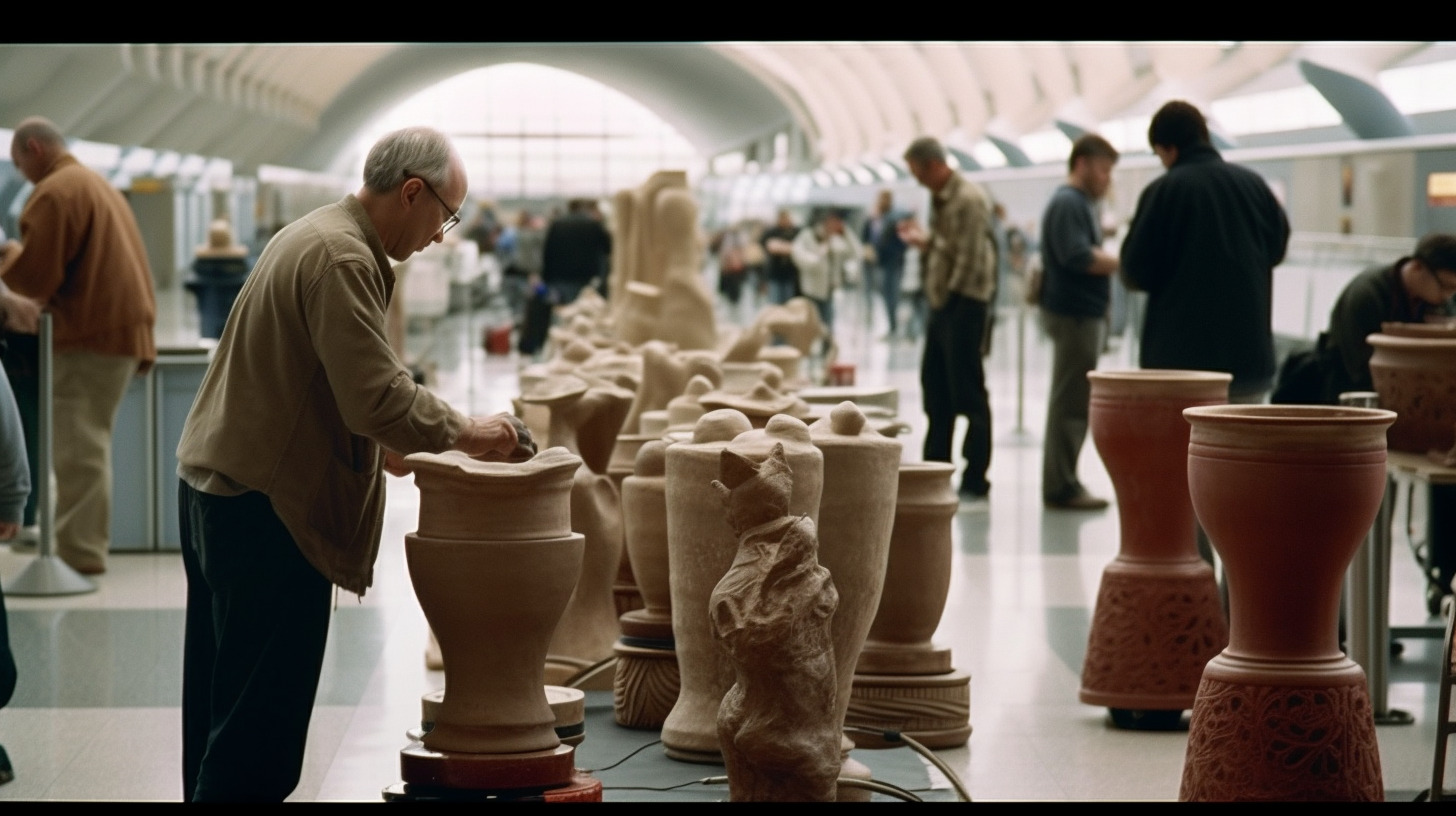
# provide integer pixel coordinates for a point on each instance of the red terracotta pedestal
(1287, 494)
(1158, 617)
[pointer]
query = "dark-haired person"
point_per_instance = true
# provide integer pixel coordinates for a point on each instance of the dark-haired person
(1203, 243)
(1415, 289)
(302, 410)
(1075, 294)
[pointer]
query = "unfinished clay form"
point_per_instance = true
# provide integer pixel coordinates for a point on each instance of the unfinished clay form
(647, 675)
(772, 611)
(687, 316)
(760, 403)
(1287, 494)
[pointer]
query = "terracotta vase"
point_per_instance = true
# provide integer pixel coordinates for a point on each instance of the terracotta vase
(1159, 617)
(701, 546)
(647, 681)
(494, 562)
(1416, 378)
(1287, 494)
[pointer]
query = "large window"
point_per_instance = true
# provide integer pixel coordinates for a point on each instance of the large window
(529, 131)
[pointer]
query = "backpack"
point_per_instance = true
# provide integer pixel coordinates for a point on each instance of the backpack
(1305, 378)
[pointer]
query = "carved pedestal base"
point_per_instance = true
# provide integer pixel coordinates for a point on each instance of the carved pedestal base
(934, 710)
(549, 775)
(1154, 629)
(645, 687)
(1312, 739)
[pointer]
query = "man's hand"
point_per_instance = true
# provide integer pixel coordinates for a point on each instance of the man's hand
(22, 315)
(911, 233)
(499, 438)
(395, 465)
(9, 530)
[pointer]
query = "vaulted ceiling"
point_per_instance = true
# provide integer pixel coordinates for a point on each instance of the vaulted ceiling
(300, 105)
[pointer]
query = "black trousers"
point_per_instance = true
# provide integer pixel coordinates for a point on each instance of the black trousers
(257, 621)
(953, 383)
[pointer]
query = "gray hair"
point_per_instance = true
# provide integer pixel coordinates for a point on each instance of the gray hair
(41, 129)
(422, 151)
(925, 149)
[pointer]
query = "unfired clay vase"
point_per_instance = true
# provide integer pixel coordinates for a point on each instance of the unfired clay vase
(1287, 494)
(640, 309)
(701, 546)
(585, 420)
(1416, 378)
(902, 680)
(646, 684)
(773, 611)
(1159, 616)
(1444, 328)
(493, 563)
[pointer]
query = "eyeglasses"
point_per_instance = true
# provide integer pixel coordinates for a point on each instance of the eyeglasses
(1445, 278)
(454, 216)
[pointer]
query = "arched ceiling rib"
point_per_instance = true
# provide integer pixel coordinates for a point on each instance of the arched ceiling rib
(854, 102)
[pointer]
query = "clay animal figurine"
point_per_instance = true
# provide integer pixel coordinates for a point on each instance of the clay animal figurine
(772, 612)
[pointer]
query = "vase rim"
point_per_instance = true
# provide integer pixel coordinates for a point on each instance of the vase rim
(1290, 414)
(1444, 341)
(1160, 374)
(544, 466)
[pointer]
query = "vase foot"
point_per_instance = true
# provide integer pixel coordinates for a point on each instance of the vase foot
(1154, 719)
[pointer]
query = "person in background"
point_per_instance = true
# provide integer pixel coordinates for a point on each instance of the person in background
(14, 488)
(882, 240)
(1417, 288)
(1203, 243)
(1075, 293)
(828, 257)
(778, 246)
(577, 251)
(958, 275)
(82, 259)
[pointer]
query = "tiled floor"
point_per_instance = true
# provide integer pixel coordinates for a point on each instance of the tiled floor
(96, 713)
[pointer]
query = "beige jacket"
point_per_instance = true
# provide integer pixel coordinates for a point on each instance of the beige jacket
(83, 258)
(960, 255)
(304, 388)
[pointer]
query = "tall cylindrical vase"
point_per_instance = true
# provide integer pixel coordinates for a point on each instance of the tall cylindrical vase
(1287, 494)
(1159, 617)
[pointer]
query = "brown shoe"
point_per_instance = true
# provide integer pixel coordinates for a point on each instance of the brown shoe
(1081, 501)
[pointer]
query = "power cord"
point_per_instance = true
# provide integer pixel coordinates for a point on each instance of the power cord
(892, 736)
(866, 784)
(586, 674)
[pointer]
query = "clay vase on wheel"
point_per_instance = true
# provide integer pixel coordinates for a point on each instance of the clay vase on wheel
(1287, 494)
(494, 563)
(1159, 617)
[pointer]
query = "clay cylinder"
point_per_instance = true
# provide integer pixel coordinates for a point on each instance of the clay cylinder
(493, 600)
(644, 516)
(1416, 378)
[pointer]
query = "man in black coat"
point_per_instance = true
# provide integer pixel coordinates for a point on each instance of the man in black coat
(577, 251)
(1203, 244)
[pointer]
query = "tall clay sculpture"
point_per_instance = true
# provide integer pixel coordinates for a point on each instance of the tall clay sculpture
(772, 611)
(1287, 494)
(1159, 617)
(494, 563)
(687, 316)
(646, 684)
(903, 681)
(585, 420)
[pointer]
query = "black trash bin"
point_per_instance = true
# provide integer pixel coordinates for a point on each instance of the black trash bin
(215, 283)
